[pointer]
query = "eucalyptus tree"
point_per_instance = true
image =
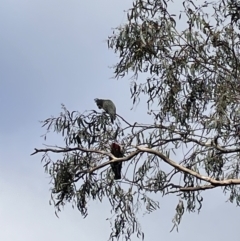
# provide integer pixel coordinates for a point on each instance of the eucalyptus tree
(183, 58)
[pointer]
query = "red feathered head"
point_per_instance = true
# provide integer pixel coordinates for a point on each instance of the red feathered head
(115, 146)
(116, 150)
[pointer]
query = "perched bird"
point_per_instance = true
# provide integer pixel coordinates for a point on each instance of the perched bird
(116, 166)
(108, 106)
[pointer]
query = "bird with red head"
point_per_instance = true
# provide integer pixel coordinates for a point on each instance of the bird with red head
(116, 150)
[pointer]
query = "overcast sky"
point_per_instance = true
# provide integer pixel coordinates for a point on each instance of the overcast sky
(54, 52)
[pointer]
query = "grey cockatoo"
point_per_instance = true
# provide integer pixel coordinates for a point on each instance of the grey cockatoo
(108, 106)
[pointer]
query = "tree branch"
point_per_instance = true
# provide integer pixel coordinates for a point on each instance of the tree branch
(191, 189)
(214, 182)
(177, 166)
(68, 149)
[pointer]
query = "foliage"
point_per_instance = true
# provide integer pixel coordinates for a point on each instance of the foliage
(193, 95)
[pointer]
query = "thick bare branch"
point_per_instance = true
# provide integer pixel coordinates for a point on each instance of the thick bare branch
(191, 172)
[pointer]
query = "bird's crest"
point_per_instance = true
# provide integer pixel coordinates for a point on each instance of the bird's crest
(115, 146)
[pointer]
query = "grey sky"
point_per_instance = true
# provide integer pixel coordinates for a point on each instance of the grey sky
(54, 52)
